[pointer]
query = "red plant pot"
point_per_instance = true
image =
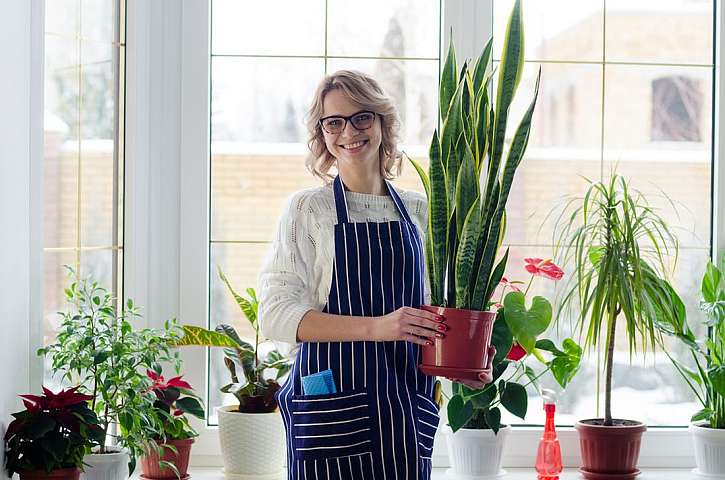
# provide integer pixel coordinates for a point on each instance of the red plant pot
(62, 474)
(462, 354)
(150, 462)
(611, 451)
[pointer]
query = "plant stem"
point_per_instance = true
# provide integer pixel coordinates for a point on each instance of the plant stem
(609, 364)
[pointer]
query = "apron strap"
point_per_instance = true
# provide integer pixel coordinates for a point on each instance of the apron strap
(341, 202)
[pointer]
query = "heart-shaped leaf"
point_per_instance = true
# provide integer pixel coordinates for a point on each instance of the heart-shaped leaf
(459, 412)
(493, 419)
(526, 324)
(565, 366)
(514, 399)
(502, 338)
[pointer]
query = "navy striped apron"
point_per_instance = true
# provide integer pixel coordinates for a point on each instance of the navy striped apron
(381, 422)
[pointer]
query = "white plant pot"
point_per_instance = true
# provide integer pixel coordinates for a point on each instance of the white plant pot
(253, 444)
(709, 451)
(475, 454)
(106, 466)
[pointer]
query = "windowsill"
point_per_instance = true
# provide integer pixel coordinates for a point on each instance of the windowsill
(513, 474)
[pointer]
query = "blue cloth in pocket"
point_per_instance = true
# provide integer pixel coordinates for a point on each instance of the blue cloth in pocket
(319, 383)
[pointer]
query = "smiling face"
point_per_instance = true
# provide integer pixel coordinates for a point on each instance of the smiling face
(353, 148)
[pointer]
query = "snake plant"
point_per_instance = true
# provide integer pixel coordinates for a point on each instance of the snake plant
(471, 173)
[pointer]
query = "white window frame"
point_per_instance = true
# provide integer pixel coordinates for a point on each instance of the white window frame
(167, 194)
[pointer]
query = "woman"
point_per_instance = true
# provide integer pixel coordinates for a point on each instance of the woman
(343, 282)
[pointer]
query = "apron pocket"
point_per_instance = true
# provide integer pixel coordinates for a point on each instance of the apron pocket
(331, 425)
(428, 419)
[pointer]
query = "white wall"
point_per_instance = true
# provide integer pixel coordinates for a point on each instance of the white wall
(15, 201)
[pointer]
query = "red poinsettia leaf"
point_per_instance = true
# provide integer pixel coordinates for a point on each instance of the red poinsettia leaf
(154, 376)
(179, 383)
(516, 353)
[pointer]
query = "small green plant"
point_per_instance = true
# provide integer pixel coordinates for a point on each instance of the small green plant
(707, 381)
(618, 245)
(54, 432)
(98, 348)
(254, 391)
(515, 338)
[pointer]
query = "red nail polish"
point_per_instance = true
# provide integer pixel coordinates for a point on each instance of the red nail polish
(430, 344)
(442, 328)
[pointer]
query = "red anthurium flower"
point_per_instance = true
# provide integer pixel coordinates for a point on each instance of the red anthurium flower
(161, 384)
(178, 413)
(516, 353)
(512, 285)
(543, 268)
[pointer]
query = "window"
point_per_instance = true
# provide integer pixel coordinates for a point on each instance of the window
(258, 136)
(83, 148)
(624, 81)
(676, 108)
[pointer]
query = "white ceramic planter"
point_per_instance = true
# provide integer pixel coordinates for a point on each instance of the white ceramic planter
(475, 454)
(106, 466)
(253, 444)
(709, 451)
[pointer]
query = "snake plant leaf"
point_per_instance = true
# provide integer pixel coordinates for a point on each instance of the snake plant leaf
(421, 173)
(438, 227)
(449, 81)
(481, 133)
(466, 254)
(466, 187)
(497, 274)
(482, 66)
(198, 336)
(526, 323)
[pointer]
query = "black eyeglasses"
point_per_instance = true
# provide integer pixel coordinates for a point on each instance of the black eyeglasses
(336, 123)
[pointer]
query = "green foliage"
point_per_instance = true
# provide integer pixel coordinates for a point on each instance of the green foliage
(247, 369)
(617, 244)
(708, 380)
(98, 348)
(469, 176)
(53, 432)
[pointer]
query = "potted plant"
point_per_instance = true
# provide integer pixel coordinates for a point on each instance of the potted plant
(169, 437)
(476, 437)
(467, 186)
(51, 436)
(707, 381)
(98, 348)
(251, 433)
(618, 246)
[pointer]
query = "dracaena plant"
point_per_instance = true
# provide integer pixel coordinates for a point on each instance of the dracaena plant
(98, 348)
(707, 380)
(248, 369)
(54, 432)
(619, 247)
(470, 173)
(515, 338)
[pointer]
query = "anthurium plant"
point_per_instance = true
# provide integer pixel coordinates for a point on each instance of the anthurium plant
(54, 432)
(98, 348)
(470, 173)
(248, 370)
(707, 380)
(515, 337)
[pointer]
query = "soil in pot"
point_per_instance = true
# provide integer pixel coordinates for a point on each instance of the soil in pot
(610, 450)
(62, 474)
(150, 462)
(463, 352)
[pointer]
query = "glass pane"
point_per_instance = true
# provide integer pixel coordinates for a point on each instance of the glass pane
(60, 176)
(384, 28)
(647, 388)
(642, 31)
(413, 85)
(564, 145)
(55, 279)
(241, 264)
(99, 19)
(555, 30)
(62, 17)
(658, 134)
(253, 101)
(101, 265)
(98, 166)
(284, 27)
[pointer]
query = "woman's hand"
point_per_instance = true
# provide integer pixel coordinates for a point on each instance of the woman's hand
(484, 377)
(410, 324)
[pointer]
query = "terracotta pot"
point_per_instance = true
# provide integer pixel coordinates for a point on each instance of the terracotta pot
(613, 451)
(150, 461)
(62, 474)
(464, 349)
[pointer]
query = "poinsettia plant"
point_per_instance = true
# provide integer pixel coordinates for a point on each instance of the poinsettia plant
(174, 399)
(54, 432)
(515, 336)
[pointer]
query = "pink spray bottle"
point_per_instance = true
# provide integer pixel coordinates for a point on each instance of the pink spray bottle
(548, 457)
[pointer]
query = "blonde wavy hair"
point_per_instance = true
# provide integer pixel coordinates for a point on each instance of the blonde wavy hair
(365, 91)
